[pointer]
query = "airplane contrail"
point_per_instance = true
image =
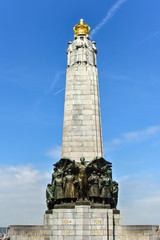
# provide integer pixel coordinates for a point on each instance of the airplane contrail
(149, 37)
(54, 94)
(111, 12)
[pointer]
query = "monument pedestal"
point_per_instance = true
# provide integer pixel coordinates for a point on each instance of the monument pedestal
(82, 223)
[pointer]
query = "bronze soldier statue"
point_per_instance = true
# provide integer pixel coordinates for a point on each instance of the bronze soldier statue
(69, 187)
(82, 180)
(106, 189)
(94, 191)
(58, 188)
(50, 197)
(54, 175)
(114, 194)
(85, 181)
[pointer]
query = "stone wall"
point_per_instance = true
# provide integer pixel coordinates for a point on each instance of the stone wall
(83, 223)
(137, 232)
(29, 232)
(82, 135)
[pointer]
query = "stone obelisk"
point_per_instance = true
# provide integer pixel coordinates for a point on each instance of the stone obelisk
(82, 135)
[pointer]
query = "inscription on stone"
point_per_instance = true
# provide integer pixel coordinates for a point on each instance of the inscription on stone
(67, 221)
(36, 235)
(96, 232)
(138, 235)
(98, 221)
(68, 232)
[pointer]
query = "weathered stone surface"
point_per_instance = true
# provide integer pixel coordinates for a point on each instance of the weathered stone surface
(82, 108)
(21, 232)
(137, 232)
(82, 223)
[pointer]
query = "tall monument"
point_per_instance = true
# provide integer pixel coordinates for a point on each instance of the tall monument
(82, 135)
(82, 196)
(82, 174)
(82, 187)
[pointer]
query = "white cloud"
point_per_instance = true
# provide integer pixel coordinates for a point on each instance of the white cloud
(54, 152)
(111, 12)
(142, 134)
(22, 195)
(139, 199)
(135, 136)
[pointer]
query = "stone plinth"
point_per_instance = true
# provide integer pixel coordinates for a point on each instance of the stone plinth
(29, 232)
(82, 223)
(137, 232)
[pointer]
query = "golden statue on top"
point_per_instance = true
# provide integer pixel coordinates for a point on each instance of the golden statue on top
(81, 28)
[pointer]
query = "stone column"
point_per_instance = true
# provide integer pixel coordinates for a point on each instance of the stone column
(82, 136)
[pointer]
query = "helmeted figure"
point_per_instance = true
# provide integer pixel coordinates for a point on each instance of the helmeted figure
(109, 172)
(69, 186)
(54, 175)
(106, 189)
(94, 191)
(114, 195)
(82, 180)
(49, 196)
(58, 188)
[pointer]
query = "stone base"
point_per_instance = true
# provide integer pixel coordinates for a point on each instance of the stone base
(83, 223)
(29, 232)
(137, 232)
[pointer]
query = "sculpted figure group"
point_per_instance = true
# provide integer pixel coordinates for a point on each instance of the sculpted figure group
(82, 51)
(85, 181)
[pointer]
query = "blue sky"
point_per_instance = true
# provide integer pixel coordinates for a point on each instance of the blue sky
(33, 43)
